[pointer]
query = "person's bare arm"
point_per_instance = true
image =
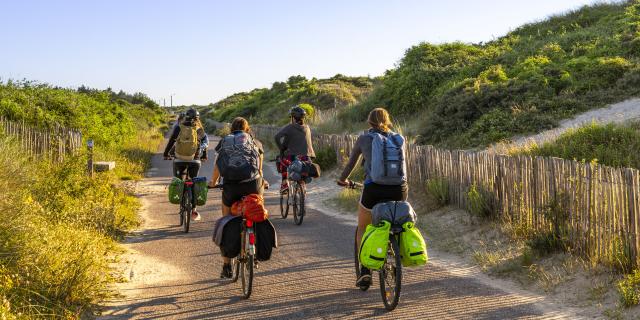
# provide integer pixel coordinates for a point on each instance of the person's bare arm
(353, 160)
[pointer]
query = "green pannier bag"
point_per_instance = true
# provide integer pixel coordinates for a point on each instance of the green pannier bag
(176, 187)
(413, 249)
(374, 244)
(200, 190)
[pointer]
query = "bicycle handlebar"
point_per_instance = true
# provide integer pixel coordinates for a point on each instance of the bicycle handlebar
(353, 185)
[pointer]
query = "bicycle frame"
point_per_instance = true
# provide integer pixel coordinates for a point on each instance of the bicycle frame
(247, 229)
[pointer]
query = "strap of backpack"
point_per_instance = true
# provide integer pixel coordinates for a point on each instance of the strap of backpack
(384, 154)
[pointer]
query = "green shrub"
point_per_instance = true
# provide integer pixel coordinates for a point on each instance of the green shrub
(629, 289)
(480, 202)
(616, 145)
(326, 157)
(58, 225)
(438, 188)
(223, 131)
(308, 109)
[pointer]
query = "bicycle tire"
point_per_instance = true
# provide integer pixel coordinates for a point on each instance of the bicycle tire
(188, 195)
(298, 204)
(247, 276)
(392, 266)
(284, 205)
(356, 257)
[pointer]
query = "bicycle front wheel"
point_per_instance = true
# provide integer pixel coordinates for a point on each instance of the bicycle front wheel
(298, 203)
(391, 275)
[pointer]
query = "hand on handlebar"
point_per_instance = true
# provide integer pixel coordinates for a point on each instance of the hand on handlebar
(349, 184)
(168, 158)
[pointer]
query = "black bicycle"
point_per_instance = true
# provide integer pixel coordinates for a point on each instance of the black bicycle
(245, 262)
(186, 201)
(390, 275)
(186, 204)
(294, 198)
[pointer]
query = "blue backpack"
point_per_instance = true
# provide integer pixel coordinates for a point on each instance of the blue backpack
(387, 165)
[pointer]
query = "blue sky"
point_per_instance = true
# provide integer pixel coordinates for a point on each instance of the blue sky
(202, 51)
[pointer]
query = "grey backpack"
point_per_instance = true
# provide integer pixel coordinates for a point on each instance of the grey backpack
(239, 158)
(387, 165)
(396, 212)
(294, 171)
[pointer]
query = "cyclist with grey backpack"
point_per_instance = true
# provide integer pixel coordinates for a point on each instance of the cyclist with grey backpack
(239, 164)
(385, 172)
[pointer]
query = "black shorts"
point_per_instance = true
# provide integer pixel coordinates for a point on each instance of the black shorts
(180, 168)
(373, 194)
(232, 192)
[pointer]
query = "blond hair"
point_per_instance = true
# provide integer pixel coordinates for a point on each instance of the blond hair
(380, 119)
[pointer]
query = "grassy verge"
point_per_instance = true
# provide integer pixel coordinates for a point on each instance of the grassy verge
(59, 229)
(616, 145)
(537, 261)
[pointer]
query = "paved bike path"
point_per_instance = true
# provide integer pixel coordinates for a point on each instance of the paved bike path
(310, 276)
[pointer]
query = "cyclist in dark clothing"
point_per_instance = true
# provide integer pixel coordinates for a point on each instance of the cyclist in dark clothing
(294, 141)
(188, 165)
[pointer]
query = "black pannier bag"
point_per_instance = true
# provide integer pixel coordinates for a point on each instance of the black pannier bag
(266, 239)
(230, 244)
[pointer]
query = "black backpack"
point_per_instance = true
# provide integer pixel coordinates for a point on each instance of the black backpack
(239, 158)
(230, 245)
(266, 239)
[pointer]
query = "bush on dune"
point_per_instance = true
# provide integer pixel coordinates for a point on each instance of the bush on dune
(58, 226)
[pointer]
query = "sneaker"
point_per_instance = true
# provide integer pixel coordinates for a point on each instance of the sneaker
(365, 278)
(226, 271)
(195, 216)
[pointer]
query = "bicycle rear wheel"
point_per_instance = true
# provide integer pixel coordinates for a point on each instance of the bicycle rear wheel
(284, 205)
(188, 207)
(391, 275)
(356, 257)
(246, 273)
(298, 203)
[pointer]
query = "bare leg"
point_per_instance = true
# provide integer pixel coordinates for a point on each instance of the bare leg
(225, 212)
(364, 219)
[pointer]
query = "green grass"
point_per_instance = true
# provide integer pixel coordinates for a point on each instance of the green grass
(477, 94)
(271, 105)
(616, 145)
(347, 200)
(629, 289)
(59, 228)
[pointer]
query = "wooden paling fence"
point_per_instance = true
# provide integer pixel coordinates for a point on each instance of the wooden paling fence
(52, 143)
(600, 204)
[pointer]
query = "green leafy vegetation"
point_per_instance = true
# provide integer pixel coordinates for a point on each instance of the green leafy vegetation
(629, 289)
(271, 105)
(326, 158)
(616, 145)
(469, 95)
(59, 227)
(438, 189)
(480, 202)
